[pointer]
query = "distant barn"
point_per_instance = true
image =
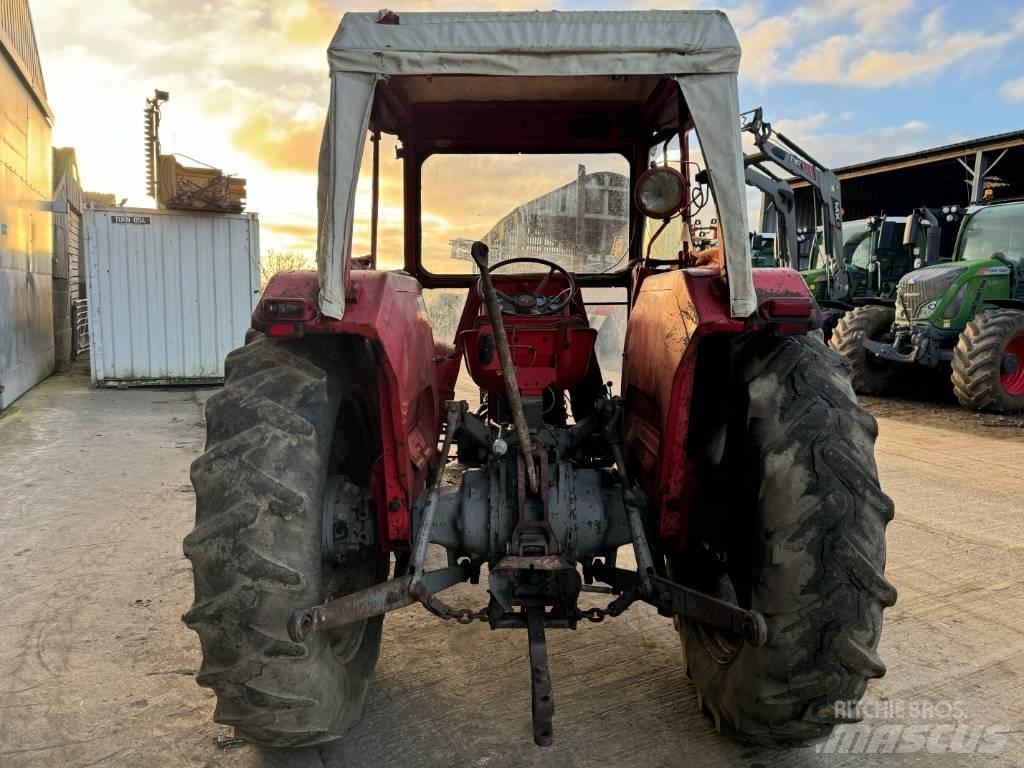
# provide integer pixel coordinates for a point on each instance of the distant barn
(583, 232)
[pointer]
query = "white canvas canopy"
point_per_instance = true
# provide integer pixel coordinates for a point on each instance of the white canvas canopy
(698, 48)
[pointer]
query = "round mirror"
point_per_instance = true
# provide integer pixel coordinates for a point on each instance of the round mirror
(660, 192)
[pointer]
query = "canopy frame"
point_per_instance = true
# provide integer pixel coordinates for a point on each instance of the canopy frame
(698, 49)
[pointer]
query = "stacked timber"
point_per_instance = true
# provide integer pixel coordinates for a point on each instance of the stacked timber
(188, 188)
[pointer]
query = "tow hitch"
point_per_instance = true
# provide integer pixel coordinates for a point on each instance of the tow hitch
(534, 593)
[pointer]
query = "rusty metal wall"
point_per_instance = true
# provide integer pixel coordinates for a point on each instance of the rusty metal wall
(26, 302)
(170, 292)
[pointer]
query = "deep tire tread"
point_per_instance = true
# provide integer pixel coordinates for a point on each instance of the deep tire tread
(255, 549)
(821, 586)
(977, 358)
(862, 322)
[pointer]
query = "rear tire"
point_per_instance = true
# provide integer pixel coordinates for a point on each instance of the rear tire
(988, 363)
(869, 375)
(273, 437)
(830, 318)
(793, 528)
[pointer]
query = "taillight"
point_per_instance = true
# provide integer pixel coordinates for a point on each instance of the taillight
(797, 306)
(279, 330)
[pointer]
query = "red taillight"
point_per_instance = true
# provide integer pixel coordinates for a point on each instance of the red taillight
(283, 329)
(797, 306)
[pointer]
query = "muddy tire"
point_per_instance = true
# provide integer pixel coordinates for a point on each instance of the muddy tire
(988, 363)
(795, 529)
(830, 317)
(868, 375)
(275, 432)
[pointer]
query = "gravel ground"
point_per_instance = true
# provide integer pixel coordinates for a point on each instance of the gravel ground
(96, 667)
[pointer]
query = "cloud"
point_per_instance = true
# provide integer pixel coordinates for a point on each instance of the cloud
(938, 53)
(871, 52)
(800, 126)
(1013, 90)
(824, 62)
(280, 145)
(761, 45)
(299, 231)
(839, 149)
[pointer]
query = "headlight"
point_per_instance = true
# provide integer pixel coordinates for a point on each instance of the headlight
(953, 308)
(660, 192)
(926, 311)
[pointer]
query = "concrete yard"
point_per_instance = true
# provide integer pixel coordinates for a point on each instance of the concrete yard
(96, 667)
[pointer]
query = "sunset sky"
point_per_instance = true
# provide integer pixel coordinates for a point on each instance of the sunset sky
(852, 80)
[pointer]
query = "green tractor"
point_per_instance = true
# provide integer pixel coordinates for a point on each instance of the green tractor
(763, 249)
(967, 313)
(876, 254)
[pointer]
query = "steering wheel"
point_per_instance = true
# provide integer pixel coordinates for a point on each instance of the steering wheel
(535, 303)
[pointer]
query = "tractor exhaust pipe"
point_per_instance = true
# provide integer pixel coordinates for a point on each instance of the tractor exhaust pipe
(480, 251)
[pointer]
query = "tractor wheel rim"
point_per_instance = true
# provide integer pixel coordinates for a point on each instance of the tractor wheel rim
(1011, 377)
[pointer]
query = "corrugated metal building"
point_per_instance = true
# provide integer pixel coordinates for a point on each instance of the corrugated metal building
(170, 292)
(990, 167)
(26, 286)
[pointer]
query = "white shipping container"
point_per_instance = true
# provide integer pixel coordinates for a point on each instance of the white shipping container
(170, 293)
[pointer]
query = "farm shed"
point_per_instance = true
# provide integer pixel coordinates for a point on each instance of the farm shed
(170, 292)
(26, 282)
(954, 174)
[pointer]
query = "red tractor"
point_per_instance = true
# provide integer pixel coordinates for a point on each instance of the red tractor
(733, 461)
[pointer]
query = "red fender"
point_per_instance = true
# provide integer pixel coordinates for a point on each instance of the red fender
(673, 311)
(387, 309)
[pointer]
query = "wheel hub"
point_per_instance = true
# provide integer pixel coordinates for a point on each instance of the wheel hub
(1011, 373)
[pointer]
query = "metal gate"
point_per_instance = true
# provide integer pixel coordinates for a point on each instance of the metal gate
(76, 284)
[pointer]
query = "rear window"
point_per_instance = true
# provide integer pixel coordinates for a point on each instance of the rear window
(572, 209)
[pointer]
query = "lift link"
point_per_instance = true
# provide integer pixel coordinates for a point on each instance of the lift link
(373, 601)
(674, 599)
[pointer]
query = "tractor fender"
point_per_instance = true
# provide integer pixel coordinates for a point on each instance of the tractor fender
(673, 315)
(386, 309)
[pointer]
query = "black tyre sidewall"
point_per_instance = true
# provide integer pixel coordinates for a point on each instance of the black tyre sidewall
(869, 375)
(977, 361)
(815, 547)
(270, 435)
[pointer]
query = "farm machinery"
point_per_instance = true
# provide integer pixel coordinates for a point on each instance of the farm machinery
(730, 482)
(966, 313)
(879, 252)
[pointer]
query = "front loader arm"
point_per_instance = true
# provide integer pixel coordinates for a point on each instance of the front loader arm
(776, 148)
